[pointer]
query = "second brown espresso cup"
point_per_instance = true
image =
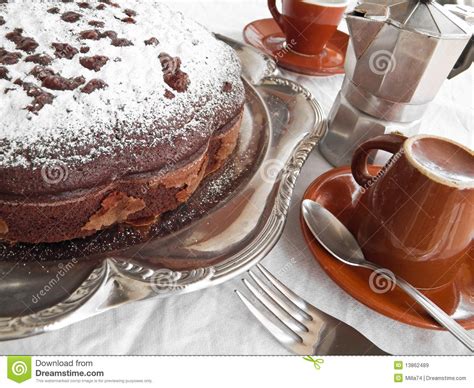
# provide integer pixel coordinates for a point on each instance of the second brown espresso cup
(416, 217)
(308, 24)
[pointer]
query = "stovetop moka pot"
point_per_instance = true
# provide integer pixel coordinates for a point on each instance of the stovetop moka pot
(400, 53)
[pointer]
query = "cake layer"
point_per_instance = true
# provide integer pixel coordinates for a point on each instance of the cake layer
(137, 200)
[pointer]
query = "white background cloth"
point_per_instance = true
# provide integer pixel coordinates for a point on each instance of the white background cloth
(214, 321)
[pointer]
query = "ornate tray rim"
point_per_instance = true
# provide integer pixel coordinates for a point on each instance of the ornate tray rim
(96, 294)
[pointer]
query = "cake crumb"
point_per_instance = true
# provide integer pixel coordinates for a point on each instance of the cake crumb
(115, 208)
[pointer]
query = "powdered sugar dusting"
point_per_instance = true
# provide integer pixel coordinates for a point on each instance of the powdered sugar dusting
(132, 110)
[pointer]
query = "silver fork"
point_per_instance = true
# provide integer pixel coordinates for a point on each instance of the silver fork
(297, 324)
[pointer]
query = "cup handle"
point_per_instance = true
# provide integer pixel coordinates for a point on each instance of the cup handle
(275, 13)
(391, 143)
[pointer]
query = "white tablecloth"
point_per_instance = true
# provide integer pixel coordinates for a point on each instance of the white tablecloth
(214, 321)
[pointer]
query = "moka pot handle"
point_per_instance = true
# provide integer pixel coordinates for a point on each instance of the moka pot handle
(465, 59)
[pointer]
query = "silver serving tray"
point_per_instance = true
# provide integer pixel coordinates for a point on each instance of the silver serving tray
(239, 213)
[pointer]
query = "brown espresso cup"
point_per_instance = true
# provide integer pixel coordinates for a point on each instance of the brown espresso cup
(308, 24)
(416, 217)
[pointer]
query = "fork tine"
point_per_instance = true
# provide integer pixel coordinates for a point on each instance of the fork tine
(293, 310)
(286, 337)
(301, 303)
(283, 316)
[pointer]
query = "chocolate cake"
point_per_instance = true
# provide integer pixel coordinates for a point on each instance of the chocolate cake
(110, 113)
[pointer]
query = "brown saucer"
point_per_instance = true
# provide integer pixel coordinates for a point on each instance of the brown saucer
(337, 191)
(266, 35)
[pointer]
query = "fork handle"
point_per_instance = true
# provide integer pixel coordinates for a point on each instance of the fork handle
(438, 315)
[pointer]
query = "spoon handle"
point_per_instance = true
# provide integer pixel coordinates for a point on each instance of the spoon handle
(439, 315)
